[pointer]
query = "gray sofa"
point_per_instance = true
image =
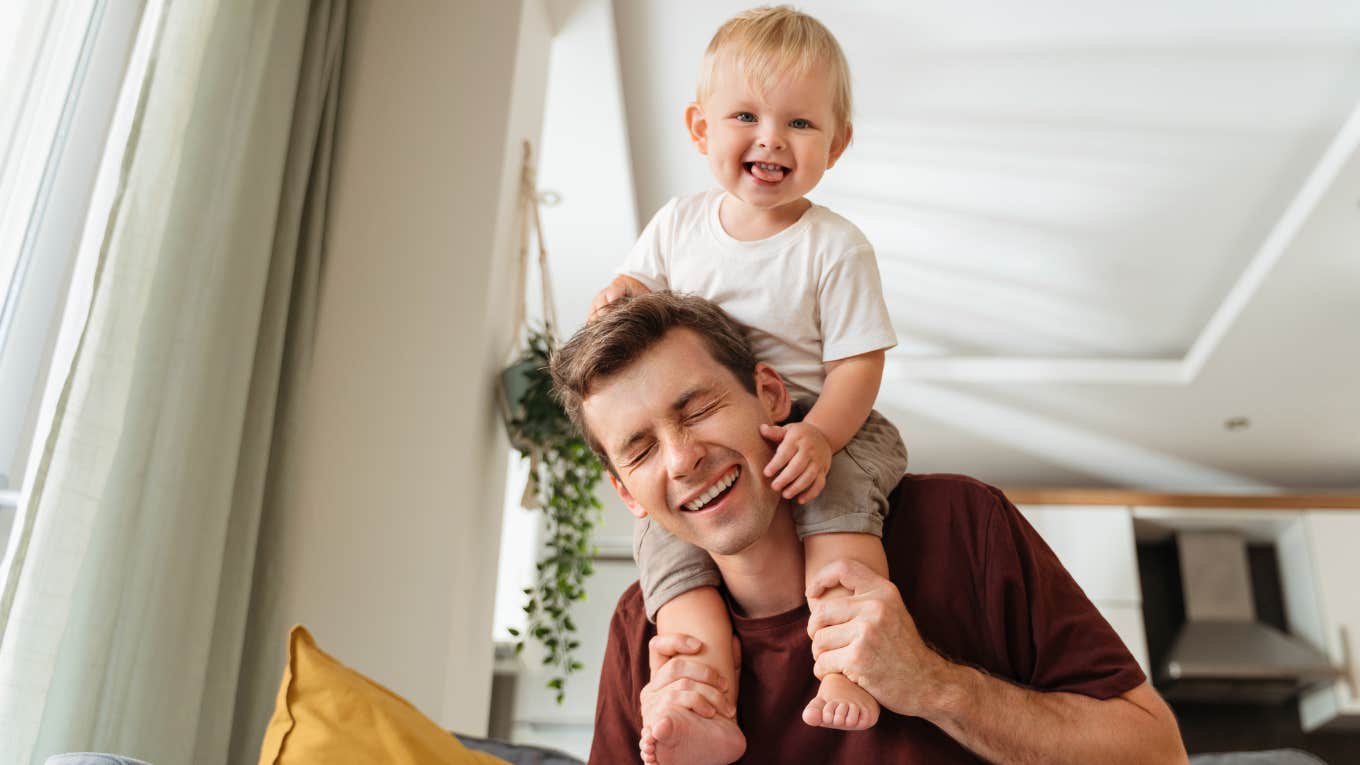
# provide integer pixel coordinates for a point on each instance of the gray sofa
(519, 754)
(533, 755)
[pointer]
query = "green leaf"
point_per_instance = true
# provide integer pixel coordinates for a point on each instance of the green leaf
(564, 484)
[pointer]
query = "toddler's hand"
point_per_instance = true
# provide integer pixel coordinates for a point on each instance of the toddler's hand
(621, 287)
(800, 463)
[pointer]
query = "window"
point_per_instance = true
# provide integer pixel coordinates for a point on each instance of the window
(62, 66)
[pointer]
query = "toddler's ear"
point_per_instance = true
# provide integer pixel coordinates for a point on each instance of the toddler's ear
(839, 144)
(697, 124)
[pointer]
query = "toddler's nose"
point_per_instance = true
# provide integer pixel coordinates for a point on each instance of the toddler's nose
(771, 141)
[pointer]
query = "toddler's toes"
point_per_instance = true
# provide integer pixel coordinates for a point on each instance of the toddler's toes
(647, 746)
(815, 712)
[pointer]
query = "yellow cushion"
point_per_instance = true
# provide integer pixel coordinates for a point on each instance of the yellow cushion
(328, 713)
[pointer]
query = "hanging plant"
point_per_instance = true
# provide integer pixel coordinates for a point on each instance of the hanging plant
(563, 472)
(563, 476)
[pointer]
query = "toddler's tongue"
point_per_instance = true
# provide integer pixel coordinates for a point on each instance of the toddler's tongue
(769, 176)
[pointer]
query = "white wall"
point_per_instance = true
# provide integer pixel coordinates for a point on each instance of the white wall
(385, 541)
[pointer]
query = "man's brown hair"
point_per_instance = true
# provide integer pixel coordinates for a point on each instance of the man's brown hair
(629, 329)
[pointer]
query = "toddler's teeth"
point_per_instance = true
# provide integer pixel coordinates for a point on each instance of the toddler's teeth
(760, 171)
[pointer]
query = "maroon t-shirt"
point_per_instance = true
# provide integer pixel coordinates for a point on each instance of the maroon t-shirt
(983, 589)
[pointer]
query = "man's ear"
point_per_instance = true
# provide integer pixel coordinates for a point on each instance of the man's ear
(772, 392)
(627, 497)
(839, 144)
(697, 125)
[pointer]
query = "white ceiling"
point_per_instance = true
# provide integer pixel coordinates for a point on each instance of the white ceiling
(1103, 227)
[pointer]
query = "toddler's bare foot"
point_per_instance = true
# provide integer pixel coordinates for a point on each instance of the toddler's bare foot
(842, 705)
(683, 737)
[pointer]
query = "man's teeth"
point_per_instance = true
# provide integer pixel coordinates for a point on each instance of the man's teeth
(713, 491)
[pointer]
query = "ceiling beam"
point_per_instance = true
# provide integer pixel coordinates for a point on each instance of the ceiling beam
(998, 369)
(1155, 371)
(1342, 148)
(1115, 461)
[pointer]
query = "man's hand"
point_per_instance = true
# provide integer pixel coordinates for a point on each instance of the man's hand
(620, 288)
(679, 689)
(800, 463)
(684, 683)
(871, 639)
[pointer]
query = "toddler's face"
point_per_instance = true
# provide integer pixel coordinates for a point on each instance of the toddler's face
(768, 149)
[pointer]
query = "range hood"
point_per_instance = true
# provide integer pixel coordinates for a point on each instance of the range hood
(1223, 653)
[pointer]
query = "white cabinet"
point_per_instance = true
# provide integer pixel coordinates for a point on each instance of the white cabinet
(1096, 545)
(1320, 570)
(1127, 621)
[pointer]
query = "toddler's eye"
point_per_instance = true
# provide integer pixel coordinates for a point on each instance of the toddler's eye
(800, 124)
(745, 117)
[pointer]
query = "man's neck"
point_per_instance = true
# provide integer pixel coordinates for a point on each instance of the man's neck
(767, 578)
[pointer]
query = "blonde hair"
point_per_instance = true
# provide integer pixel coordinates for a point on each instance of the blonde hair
(767, 43)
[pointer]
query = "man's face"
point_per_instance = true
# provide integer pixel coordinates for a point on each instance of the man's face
(683, 434)
(768, 148)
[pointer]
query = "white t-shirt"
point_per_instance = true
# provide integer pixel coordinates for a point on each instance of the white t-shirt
(809, 294)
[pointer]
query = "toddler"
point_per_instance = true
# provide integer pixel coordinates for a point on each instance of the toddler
(772, 114)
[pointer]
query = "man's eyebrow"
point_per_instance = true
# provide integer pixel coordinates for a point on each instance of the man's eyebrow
(681, 401)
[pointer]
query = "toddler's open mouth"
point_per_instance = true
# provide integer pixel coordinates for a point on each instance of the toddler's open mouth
(766, 172)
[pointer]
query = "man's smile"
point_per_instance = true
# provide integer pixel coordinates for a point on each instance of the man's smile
(716, 491)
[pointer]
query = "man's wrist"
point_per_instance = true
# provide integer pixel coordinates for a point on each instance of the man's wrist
(948, 691)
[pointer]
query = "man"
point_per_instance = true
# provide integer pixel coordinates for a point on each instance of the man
(980, 647)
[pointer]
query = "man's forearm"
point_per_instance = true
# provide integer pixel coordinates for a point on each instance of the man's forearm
(1005, 723)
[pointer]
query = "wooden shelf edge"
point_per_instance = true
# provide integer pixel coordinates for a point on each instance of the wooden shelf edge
(1128, 497)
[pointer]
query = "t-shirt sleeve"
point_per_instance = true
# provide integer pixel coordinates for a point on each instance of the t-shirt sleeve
(854, 315)
(1040, 621)
(648, 260)
(618, 717)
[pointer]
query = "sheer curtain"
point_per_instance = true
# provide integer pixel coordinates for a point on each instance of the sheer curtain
(125, 591)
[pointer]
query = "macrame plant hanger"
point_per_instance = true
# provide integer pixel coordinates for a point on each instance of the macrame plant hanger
(520, 367)
(529, 218)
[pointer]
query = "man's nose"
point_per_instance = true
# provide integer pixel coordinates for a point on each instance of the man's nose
(683, 454)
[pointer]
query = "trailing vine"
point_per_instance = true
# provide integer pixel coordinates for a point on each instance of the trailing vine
(562, 480)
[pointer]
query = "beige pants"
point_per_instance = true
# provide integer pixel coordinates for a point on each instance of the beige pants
(855, 500)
